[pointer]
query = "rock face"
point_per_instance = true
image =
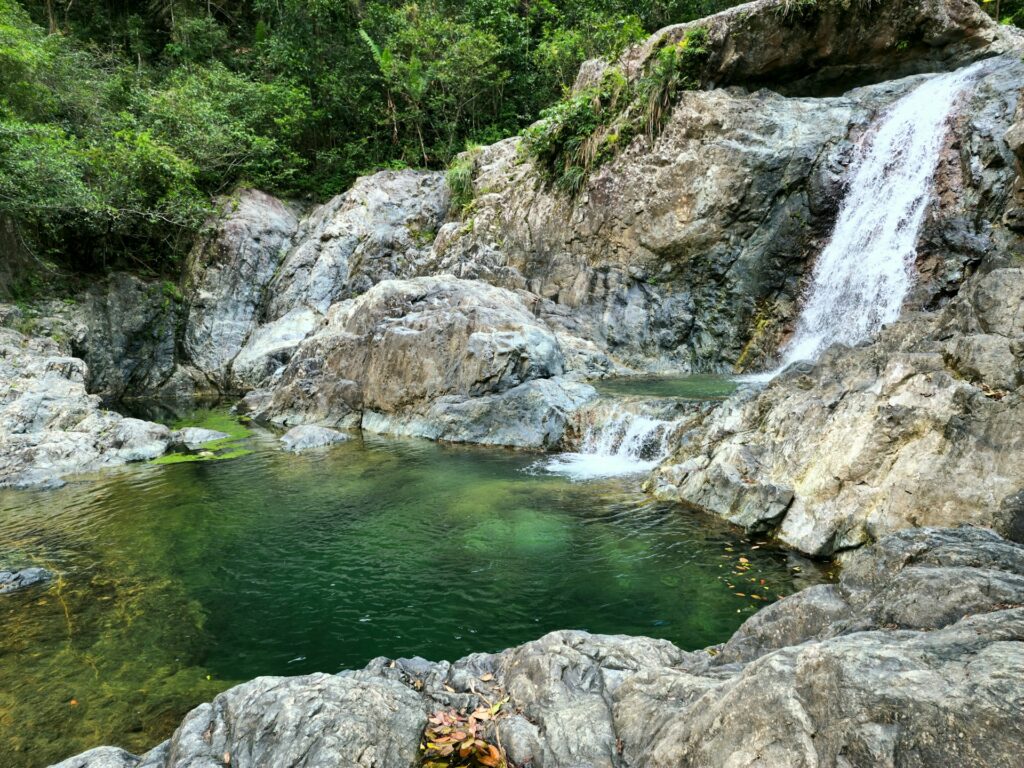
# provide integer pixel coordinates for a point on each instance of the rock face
(923, 427)
(425, 351)
(913, 659)
(379, 230)
(821, 45)
(50, 426)
(227, 278)
(688, 252)
(12, 581)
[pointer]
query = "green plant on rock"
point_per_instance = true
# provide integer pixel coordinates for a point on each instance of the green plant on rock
(460, 177)
(591, 126)
(675, 68)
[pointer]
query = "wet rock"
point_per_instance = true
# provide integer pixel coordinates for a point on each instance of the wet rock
(12, 581)
(878, 669)
(302, 438)
(196, 437)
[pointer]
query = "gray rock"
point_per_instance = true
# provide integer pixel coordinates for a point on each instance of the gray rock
(308, 436)
(101, 757)
(12, 581)
(227, 276)
(871, 671)
(433, 356)
(318, 720)
(50, 427)
(196, 437)
(918, 428)
(826, 44)
(378, 230)
(533, 415)
(270, 347)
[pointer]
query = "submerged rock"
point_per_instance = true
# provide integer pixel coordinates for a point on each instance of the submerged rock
(308, 436)
(196, 437)
(914, 658)
(12, 581)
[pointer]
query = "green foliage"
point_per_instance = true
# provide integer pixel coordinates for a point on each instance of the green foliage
(591, 126)
(460, 177)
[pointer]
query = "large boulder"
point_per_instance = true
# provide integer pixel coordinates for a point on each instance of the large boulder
(811, 46)
(412, 356)
(378, 230)
(915, 658)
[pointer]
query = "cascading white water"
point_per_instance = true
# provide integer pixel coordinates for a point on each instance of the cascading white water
(862, 277)
(622, 443)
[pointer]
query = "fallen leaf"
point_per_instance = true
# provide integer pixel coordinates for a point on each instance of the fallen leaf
(486, 678)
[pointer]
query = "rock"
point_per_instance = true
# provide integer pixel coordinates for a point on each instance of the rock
(815, 47)
(378, 230)
(101, 757)
(12, 581)
(50, 427)
(433, 356)
(195, 437)
(125, 331)
(886, 667)
(532, 415)
(314, 720)
(271, 346)
(227, 276)
(920, 428)
(302, 438)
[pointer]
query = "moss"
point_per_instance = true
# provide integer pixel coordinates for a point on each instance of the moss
(230, 447)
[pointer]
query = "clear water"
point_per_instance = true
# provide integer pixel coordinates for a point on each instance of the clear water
(177, 581)
(696, 387)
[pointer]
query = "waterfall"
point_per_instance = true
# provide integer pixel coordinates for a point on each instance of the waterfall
(620, 442)
(863, 275)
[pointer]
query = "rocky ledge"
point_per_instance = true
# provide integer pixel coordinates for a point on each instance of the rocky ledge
(913, 659)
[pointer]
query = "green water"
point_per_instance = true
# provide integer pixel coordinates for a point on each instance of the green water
(176, 581)
(702, 387)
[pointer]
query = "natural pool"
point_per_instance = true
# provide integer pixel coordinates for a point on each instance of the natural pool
(178, 580)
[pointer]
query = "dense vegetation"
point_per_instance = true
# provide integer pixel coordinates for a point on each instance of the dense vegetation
(120, 120)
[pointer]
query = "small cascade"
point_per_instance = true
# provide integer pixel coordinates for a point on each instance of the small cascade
(863, 275)
(619, 442)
